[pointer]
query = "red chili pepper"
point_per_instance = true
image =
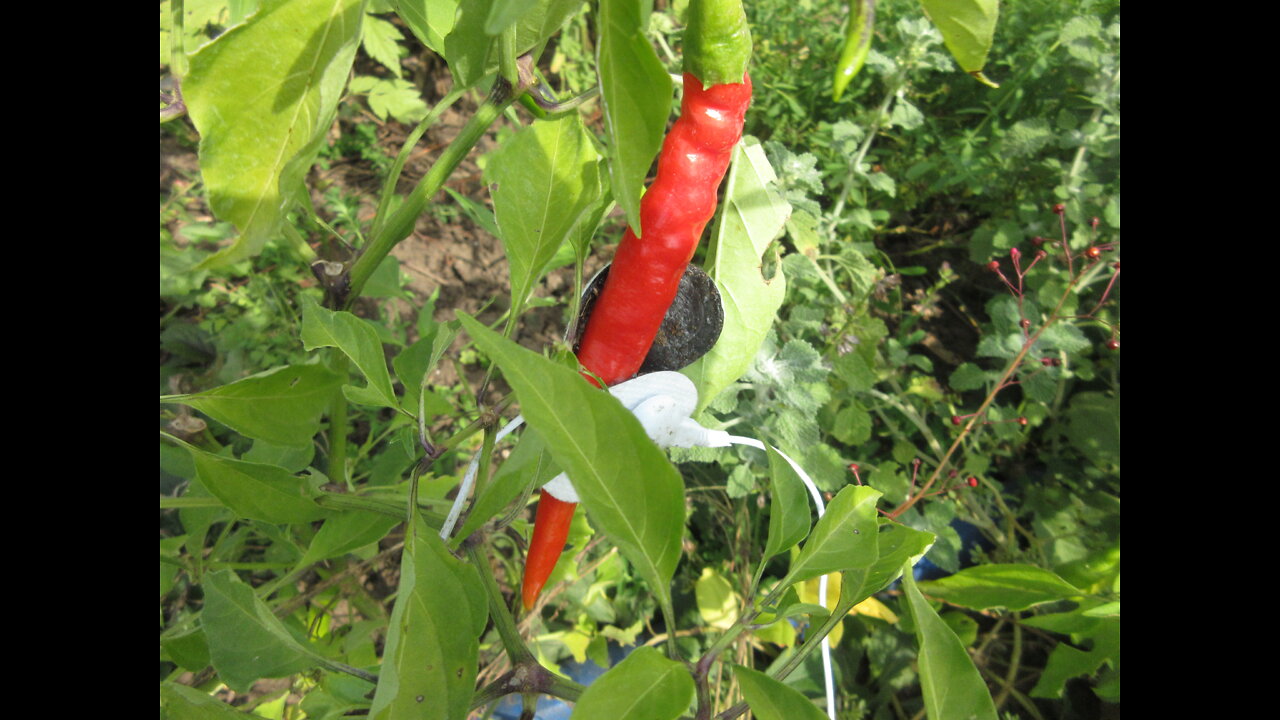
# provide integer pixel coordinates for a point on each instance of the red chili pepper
(550, 530)
(645, 274)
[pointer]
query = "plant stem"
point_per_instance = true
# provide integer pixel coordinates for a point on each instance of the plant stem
(811, 643)
(1015, 662)
(382, 506)
(507, 56)
(338, 422)
(517, 652)
(704, 665)
(399, 225)
(909, 413)
(1077, 164)
(410, 142)
(1002, 383)
(177, 41)
(900, 80)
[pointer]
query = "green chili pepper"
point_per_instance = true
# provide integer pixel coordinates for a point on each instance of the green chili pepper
(857, 43)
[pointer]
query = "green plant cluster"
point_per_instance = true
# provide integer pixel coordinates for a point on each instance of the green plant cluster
(925, 274)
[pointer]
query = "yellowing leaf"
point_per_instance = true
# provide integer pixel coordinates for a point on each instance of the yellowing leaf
(808, 592)
(872, 607)
(577, 644)
(717, 603)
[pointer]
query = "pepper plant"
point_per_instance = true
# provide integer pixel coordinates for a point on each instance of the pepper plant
(332, 518)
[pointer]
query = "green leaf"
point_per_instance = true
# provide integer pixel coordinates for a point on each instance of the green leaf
(1093, 427)
(543, 181)
(578, 243)
(281, 406)
(644, 686)
(255, 491)
(965, 627)
(470, 48)
(380, 39)
(530, 463)
(968, 377)
(430, 21)
(1100, 634)
(852, 425)
(189, 648)
(745, 269)
(358, 341)
(1111, 609)
(630, 490)
(898, 545)
(347, 532)
(430, 662)
(1016, 587)
(770, 699)
(504, 12)
(466, 48)
(636, 92)
(788, 509)
(888, 479)
(855, 371)
(293, 459)
(952, 686)
(263, 95)
(180, 702)
(1026, 138)
(1062, 336)
(246, 641)
(967, 27)
(844, 538)
(420, 358)
(543, 20)
(392, 97)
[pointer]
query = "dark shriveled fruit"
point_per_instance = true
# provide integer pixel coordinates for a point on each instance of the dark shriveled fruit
(690, 328)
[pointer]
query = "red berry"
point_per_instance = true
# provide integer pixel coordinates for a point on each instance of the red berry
(994, 266)
(1093, 222)
(1059, 209)
(1022, 421)
(1037, 240)
(1025, 323)
(1040, 255)
(853, 467)
(1113, 344)
(1093, 252)
(1015, 253)
(1116, 264)
(1046, 361)
(973, 481)
(955, 419)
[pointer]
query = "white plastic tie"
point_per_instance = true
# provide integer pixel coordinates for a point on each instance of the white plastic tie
(663, 402)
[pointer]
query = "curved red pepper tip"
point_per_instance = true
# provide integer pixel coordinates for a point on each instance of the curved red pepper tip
(550, 530)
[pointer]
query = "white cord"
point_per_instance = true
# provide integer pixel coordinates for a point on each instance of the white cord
(469, 479)
(663, 402)
(822, 581)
